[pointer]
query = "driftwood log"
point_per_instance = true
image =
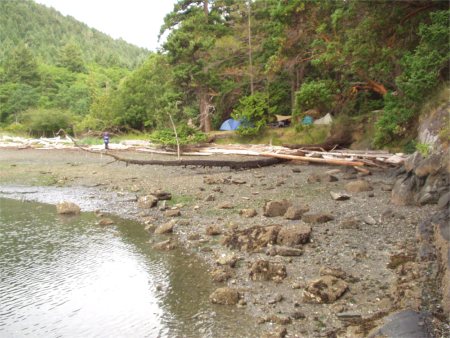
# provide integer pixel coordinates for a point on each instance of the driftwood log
(314, 159)
(246, 164)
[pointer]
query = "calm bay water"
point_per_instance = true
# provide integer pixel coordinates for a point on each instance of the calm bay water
(68, 277)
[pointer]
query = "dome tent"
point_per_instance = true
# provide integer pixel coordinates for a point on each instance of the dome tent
(230, 124)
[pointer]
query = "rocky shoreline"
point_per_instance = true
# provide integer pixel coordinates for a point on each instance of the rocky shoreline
(309, 251)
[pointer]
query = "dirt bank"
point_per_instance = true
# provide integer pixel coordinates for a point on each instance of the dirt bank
(356, 244)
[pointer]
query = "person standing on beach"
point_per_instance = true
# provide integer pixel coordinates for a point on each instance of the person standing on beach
(106, 139)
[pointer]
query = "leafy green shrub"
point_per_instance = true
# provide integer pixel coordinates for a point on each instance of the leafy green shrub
(186, 135)
(16, 128)
(315, 95)
(253, 112)
(421, 71)
(47, 122)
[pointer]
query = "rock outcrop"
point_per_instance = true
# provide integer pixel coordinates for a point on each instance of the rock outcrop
(422, 181)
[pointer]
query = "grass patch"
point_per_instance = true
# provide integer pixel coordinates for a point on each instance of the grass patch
(279, 136)
(181, 199)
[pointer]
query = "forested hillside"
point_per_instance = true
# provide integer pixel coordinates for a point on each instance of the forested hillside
(375, 61)
(53, 68)
(46, 32)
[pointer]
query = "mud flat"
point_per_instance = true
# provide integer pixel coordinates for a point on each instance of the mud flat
(307, 250)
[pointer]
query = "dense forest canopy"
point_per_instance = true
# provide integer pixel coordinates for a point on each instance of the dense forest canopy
(246, 59)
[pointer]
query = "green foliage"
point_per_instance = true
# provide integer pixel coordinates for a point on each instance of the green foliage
(47, 122)
(15, 98)
(186, 135)
(21, 66)
(315, 95)
(70, 57)
(422, 69)
(253, 112)
(47, 32)
(424, 149)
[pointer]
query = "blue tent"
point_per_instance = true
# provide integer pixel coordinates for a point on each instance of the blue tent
(230, 124)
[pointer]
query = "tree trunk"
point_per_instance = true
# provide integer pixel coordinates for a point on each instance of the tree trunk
(205, 118)
(205, 7)
(250, 56)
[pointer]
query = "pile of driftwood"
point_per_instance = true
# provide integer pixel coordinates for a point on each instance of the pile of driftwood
(265, 155)
(356, 158)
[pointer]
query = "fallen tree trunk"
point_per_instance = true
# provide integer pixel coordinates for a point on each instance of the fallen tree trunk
(314, 159)
(247, 164)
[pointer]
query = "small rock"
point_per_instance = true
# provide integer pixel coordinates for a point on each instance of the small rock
(265, 270)
(229, 259)
(194, 237)
(135, 188)
(444, 201)
(276, 299)
(314, 178)
(105, 221)
(280, 332)
(210, 198)
(386, 187)
(329, 271)
(150, 228)
(248, 213)
(358, 186)
(165, 228)
(163, 206)
(350, 223)
(222, 274)
(147, 202)
(317, 217)
(293, 235)
(162, 195)
(172, 213)
(399, 258)
(213, 230)
(284, 251)
(295, 213)
(276, 208)
(296, 170)
(225, 205)
(337, 196)
(369, 220)
(67, 208)
(297, 315)
(238, 181)
(165, 245)
(329, 178)
(282, 320)
(326, 289)
(225, 296)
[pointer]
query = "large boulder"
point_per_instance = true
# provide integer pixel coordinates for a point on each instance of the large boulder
(225, 296)
(293, 235)
(426, 180)
(67, 208)
(276, 208)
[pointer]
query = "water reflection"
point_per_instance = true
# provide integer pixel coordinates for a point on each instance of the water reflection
(69, 277)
